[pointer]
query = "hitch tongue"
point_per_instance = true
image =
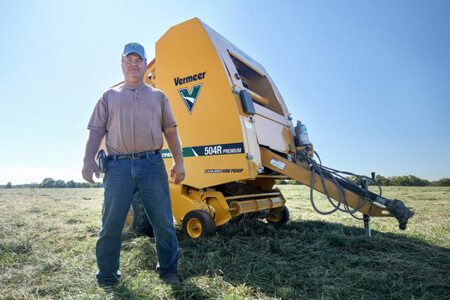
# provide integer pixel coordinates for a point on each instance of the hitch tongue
(400, 212)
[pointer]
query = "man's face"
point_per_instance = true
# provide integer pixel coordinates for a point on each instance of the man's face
(133, 68)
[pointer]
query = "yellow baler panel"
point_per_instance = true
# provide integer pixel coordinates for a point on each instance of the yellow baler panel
(187, 64)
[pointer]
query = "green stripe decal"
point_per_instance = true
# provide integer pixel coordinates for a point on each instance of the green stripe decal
(187, 152)
(220, 149)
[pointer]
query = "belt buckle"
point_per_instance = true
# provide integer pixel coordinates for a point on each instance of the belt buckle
(135, 155)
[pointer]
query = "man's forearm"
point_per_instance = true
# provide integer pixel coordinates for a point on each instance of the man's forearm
(93, 144)
(177, 172)
(174, 144)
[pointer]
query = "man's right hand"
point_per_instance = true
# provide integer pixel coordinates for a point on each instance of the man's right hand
(89, 168)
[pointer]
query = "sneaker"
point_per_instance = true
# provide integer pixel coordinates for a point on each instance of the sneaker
(171, 280)
(106, 282)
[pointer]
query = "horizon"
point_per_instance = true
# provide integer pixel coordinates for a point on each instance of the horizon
(99, 181)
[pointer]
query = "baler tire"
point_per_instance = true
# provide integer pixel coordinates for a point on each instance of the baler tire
(137, 220)
(198, 224)
(279, 217)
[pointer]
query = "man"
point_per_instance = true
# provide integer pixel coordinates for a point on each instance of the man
(133, 117)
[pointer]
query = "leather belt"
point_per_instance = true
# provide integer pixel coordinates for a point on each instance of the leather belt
(133, 156)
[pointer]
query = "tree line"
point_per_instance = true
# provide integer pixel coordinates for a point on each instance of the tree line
(409, 180)
(51, 183)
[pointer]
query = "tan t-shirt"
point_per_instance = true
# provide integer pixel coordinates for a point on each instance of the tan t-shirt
(133, 118)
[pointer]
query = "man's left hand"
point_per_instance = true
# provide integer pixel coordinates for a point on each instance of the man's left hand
(177, 173)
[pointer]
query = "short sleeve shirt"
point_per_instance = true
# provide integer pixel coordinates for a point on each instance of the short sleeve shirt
(132, 118)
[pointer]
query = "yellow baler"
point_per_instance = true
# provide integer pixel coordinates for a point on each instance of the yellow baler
(237, 137)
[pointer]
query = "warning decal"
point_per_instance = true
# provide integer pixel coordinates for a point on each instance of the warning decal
(277, 163)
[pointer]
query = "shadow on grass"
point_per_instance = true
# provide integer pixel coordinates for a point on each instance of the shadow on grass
(313, 259)
(187, 291)
(120, 292)
(139, 252)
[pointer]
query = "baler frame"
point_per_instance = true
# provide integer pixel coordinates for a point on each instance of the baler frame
(238, 137)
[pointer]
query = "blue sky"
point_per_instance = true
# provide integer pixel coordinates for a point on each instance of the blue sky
(370, 79)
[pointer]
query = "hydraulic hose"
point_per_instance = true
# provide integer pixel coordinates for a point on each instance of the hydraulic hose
(396, 207)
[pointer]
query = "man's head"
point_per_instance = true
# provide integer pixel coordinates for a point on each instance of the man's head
(134, 61)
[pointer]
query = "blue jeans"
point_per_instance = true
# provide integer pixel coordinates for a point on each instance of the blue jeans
(122, 179)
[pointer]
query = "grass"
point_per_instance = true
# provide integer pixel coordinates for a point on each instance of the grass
(48, 236)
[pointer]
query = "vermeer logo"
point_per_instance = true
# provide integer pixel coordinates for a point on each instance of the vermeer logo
(190, 97)
(180, 81)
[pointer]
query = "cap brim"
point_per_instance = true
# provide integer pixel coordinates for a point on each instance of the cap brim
(142, 57)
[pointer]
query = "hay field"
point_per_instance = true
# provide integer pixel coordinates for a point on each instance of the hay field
(48, 236)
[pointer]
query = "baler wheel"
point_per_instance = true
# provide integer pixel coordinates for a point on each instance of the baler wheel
(281, 217)
(198, 224)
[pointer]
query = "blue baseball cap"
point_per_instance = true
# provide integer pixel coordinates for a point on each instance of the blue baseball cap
(134, 48)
